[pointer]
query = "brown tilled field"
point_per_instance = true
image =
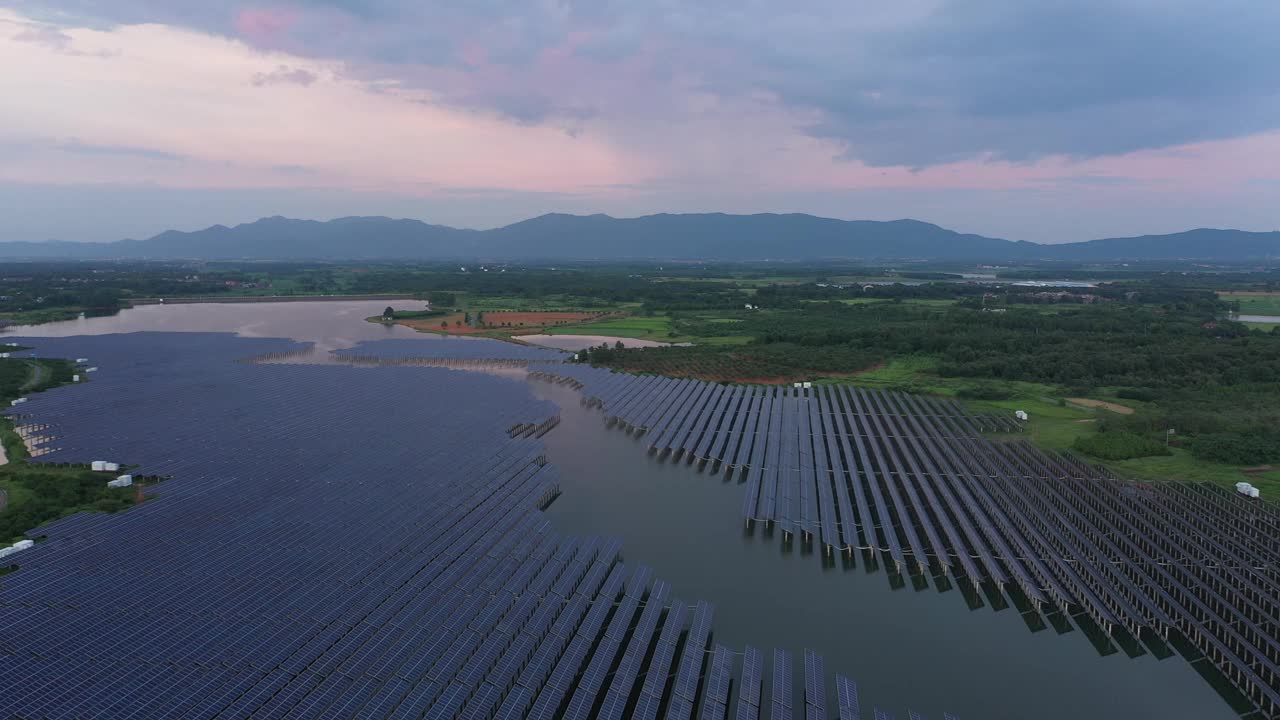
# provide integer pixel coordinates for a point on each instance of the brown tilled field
(513, 323)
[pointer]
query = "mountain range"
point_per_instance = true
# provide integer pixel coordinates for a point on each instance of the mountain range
(712, 236)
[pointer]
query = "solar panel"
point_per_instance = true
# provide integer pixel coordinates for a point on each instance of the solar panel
(815, 693)
(345, 564)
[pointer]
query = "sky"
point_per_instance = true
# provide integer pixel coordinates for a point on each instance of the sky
(1050, 121)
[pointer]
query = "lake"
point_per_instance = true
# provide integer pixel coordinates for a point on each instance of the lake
(900, 641)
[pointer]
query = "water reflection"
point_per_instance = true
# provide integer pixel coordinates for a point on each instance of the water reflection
(938, 644)
(331, 325)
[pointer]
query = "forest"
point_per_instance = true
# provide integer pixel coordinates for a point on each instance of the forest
(40, 495)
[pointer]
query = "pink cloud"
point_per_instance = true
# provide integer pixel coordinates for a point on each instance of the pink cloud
(264, 26)
(48, 36)
(284, 75)
(474, 53)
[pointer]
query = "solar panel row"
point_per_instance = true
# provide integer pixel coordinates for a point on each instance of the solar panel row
(331, 541)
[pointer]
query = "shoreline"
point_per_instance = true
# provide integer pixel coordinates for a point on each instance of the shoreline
(193, 300)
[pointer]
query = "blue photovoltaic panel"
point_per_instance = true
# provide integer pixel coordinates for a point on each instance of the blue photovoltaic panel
(847, 698)
(332, 563)
(815, 693)
(781, 690)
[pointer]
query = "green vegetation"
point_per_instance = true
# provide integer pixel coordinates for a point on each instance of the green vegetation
(14, 448)
(658, 328)
(411, 314)
(39, 316)
(36, 494)
(1254, 304)
(19, 376)
(1237, 447)
(1162, 349)
(1119, 445)
(1181, 465)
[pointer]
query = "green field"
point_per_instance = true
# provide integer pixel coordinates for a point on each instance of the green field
(1182, 466)
(544, 303)
(658, 327)
(1255, 304)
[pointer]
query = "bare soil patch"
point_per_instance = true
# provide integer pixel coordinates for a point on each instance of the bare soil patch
(1090, 403)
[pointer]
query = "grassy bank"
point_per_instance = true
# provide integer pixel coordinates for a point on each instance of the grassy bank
(43, 315)
(36, 494)
(1055, 424)
(1255, 304)
(657, 328)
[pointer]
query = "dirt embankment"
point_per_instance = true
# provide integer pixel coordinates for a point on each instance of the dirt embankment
(1090, 403)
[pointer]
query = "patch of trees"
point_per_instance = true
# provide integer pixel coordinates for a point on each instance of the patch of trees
(1154, 348)
(985, 391)
(1119, 445)
(1250, 447)
(1234, 424)
(99, 288)
(52, 495)
(1141, 394)
(15, 373)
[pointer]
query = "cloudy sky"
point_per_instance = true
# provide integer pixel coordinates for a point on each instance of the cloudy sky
(1048, 120)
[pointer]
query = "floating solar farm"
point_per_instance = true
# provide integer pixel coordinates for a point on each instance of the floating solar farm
(912, 481)
(335, 540)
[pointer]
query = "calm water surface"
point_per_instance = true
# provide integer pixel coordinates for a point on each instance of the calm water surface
(331, 325)
(902, 642)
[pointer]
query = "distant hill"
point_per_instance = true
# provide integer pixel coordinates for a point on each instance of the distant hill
(1199, 244)
(601, 237)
